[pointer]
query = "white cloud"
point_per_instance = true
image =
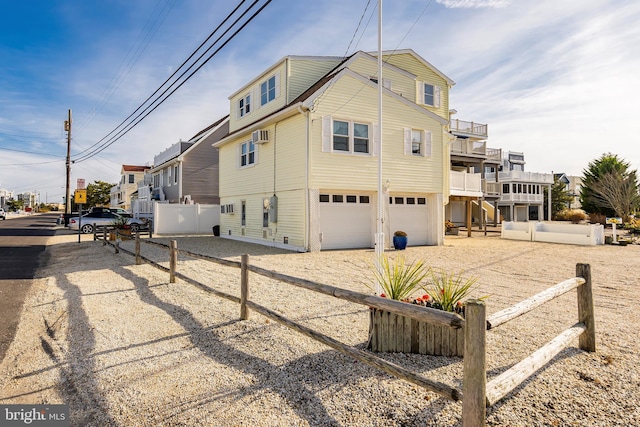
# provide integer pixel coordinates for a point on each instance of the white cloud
(474, 4)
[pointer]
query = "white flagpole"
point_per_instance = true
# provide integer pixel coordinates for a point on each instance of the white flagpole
(380, 223)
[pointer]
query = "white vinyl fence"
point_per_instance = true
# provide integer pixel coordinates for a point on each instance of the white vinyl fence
(185, 219)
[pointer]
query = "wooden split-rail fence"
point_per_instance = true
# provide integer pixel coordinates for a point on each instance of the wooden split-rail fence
(477, 394)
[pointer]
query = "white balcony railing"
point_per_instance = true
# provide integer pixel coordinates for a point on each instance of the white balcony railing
(524, 198)
(521, 176)
(467, 146)
(494, 154)
(465, 182)
(471, 128)
(491, 188)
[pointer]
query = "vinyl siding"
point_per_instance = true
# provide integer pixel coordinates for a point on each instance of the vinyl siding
(406, 173)
(200, 177)
(236, 122)
(303, 73)
(400, 83)
(409, 63)
(285, 153)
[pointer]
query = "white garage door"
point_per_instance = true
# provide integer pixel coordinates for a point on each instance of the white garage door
(409, 214)
(345, 221)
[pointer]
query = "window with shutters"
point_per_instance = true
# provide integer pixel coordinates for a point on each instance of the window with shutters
(349, 137)
(417, 142)
(429, 94)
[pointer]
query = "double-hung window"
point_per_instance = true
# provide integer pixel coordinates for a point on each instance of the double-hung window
(417, 142)
(268, 90)
(247, 154)
(244, 105)
(350, 137)
(429, 94)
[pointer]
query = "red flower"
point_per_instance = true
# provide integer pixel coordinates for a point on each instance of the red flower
(383, 295)
(426, 297)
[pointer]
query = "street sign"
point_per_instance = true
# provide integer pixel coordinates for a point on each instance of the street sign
(80, 184)
(614, 220)
(81, 196)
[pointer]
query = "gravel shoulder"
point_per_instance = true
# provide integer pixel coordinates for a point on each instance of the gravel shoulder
(123, 346)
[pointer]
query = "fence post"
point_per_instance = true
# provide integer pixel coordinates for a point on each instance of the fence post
(95, 233)
(138, 260)
(173, 257)
(244, 287)
(587, 340)
(117, 245)
(474, 381)
(104, 236)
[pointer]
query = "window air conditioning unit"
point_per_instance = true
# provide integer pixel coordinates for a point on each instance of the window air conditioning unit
(227, 209)
(260, 136)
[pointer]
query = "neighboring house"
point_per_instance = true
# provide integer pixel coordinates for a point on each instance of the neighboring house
(187, 172)
(299, 168)
(521, 192)
(129, 176)
(572, 185)
(473, 198)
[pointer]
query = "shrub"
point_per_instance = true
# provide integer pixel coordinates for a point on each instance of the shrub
(595, 218)
(573, 215)
(400, 233)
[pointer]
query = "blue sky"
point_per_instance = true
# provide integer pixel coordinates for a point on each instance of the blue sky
(557, 80)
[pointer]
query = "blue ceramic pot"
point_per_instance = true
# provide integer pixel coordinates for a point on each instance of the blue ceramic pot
(400, 242)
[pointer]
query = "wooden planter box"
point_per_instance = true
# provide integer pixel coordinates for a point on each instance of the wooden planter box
(453, 231)
(389, 332)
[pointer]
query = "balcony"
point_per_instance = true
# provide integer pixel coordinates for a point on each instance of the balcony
(491, 188)
(522, 198)
(469, 147)
(521, 176)
(174, 151)
(465, 184)
(468, 128)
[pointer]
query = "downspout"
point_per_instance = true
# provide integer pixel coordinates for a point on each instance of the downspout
(307, 202)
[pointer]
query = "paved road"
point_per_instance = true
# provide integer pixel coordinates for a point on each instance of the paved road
(22, 250)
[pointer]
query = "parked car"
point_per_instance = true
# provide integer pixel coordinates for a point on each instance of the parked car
(119, 211)
(102, 218)
(3, 214)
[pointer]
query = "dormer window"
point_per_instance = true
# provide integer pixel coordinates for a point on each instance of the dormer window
(244, 105)
(429, 94)
(268, 90)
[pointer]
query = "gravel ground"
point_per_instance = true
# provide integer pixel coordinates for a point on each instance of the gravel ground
(123, 346)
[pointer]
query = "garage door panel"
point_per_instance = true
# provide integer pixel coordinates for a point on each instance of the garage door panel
(345, 225)
(412, 219)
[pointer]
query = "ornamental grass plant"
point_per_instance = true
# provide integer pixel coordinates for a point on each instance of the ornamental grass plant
(447, 290)
(398, 278)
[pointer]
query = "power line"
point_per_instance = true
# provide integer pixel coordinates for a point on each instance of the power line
(149, 30)
(120, 133)
(346, 53)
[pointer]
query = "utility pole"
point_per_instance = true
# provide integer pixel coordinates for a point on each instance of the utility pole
(67, 201)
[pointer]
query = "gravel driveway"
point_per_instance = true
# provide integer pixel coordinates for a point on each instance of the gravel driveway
(123, 346)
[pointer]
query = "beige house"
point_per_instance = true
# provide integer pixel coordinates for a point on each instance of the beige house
(299, 167)
(129, 176)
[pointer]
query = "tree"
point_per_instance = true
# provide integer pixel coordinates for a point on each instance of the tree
(617, 192)
(15, 205)
(99, 193)
(560, 197)
(617, 169)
